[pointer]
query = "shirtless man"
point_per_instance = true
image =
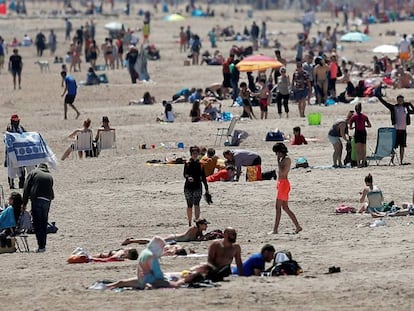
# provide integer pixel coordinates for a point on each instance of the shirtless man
(283, 187)
(320, 78)
(220, 257)
(264, 99)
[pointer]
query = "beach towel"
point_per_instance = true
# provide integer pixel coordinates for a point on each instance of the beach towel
(344, 209)
(27, 149)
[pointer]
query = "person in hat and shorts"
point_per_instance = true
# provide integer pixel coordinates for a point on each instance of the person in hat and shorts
(70, 91)
(400, 118)
(15, 127)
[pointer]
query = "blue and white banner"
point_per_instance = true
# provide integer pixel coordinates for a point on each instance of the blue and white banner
(27, 149)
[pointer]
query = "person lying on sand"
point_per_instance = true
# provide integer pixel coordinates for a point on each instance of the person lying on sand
(149, 273)
(194, 233)
(127, 253)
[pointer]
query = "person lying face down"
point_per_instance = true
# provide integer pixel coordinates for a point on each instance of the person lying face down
(226, 174)
(194, 233)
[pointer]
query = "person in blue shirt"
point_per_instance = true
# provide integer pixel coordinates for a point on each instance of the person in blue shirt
(255, 264)
(70, 91)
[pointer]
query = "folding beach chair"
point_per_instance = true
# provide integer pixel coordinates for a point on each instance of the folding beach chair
(226, 131)
(385, 145)
(106, 141)
(83, 142)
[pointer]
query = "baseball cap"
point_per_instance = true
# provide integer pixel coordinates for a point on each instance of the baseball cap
(202, 221)
(15, 117)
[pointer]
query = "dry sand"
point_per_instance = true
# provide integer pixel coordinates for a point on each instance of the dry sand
(101, 201)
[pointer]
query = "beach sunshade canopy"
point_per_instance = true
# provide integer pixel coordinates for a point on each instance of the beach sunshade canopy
(198, 13)
(355, 37)
(114, 26)
(258, 63)
(174, 18)
(386, 49)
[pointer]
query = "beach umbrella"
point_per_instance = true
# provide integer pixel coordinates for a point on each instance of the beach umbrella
(355, 37)
(386, 49)
(258, 63)
(114, 26)
(174, 18)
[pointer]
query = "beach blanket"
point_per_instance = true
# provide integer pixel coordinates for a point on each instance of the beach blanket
(27, 149)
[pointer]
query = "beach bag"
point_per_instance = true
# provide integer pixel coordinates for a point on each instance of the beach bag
(302, 162)
(213, 235)
(254, 173)
(275, 136)
(7, 244)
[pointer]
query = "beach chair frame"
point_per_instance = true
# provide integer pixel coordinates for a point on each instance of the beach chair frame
(386, 138)
(226, 131)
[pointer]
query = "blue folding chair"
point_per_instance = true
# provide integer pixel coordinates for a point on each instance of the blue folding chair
(385, 145)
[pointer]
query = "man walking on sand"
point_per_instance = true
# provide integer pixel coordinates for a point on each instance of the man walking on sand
(71, 90)
(283, 187)
(39, 188)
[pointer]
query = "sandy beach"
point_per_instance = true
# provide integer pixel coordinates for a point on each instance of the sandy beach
(101, 201)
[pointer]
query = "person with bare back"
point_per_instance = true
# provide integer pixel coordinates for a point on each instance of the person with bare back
(283, 187)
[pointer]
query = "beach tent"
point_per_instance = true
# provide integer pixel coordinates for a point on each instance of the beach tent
(355, 37)
(386, 49)
(174, 18)
(3, 8)
(198, 13)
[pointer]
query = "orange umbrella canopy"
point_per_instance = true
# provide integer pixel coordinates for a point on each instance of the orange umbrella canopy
(258, 63)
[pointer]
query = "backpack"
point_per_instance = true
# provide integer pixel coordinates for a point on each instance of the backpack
(302, 162)
(284, 264)
(339, 73)
(275, 136)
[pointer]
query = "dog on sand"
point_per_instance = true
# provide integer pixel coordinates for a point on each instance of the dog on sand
(43, 64)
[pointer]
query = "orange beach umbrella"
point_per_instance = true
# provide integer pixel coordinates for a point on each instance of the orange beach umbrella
(258, 63)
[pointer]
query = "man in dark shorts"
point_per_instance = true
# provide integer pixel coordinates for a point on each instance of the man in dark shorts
(71, 90)
(400, 118)
(15, 67)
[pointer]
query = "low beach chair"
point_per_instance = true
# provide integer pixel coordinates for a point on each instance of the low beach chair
(107, 140)
(83, 142)
(385, 145)
(226, 131)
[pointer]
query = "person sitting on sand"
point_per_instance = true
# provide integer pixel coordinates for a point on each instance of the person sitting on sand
(210, 162)
(149, 273)
(195, 112)
(226, 174)
(194, 233)
(91, 77)
(85, 129)
(373, 194)
(127, 253)
(168, 115)
(298, 138)
(256, 263)
(147, 99)
(211, 112)
(220, 256)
